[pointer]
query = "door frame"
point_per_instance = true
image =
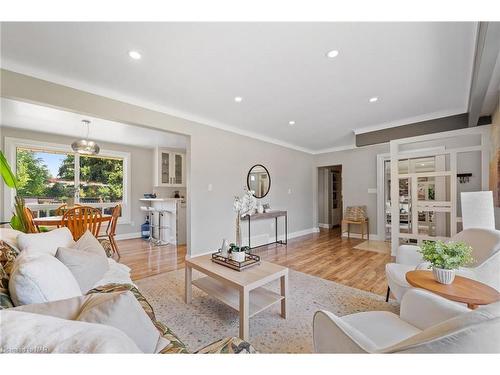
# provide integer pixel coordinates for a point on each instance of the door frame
(396, 154)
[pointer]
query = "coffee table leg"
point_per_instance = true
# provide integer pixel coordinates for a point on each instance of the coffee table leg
(189, 286)
(284, 292)
(244, 314)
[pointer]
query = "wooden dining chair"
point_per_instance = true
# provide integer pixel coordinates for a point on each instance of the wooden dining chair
(28, 216)
(111, 230)
(59, 211)
(82, 218)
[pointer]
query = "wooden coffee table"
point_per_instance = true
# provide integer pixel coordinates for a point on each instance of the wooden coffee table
(241, 290)
(463, 289)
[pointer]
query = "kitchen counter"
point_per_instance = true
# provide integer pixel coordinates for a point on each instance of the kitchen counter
(174, 217)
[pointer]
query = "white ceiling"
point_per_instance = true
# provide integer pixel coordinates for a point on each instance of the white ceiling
(49, 120)
(194, 70)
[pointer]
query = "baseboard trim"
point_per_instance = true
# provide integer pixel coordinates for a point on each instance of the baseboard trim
(324, 225)
(358, 235)
(303, 232)
(290, 236)
(128, 236)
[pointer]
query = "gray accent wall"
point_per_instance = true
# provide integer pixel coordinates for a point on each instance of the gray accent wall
(411, 130)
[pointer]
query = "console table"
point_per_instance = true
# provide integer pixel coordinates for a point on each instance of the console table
(268, 215)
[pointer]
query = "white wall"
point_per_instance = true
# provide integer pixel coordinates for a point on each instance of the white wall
(359, 173)
(215, 157)
(494, 172)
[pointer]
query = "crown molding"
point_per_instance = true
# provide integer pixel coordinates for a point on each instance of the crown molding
(111, 94)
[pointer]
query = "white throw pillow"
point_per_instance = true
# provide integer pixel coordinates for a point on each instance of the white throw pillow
(86, 267)
(24, 332)
(89, 243)
(10, 236)
(41, 278)
(121, 310)
(45, 243)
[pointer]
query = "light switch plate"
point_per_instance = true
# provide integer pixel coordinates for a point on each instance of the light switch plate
(210, 187)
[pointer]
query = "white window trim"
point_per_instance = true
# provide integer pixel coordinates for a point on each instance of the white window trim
(11, 145)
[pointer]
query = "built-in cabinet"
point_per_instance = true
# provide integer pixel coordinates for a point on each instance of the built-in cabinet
(170, 167)
(335, 198)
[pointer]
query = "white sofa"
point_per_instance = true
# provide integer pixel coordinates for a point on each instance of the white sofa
(485, 244)
(427, 323)
(111, 317)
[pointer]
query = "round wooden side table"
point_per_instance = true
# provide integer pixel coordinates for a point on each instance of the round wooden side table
(463, 289)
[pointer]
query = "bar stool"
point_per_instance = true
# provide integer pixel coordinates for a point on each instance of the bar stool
(157, 241)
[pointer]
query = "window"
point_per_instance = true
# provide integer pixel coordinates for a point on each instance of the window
(41, 178)
(51, 175)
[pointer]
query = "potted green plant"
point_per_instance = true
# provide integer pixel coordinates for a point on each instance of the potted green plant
(238, 254)
(18, 220)
(446, 258)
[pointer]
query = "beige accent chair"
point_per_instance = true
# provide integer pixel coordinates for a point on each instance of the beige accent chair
(486, 268)
(427, 323)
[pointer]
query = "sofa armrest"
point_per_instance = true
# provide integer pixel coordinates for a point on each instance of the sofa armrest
(424, 309)
(333, 335)
(408, 254)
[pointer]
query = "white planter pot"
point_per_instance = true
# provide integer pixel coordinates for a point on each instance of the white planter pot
(238, 256)
(443, 276)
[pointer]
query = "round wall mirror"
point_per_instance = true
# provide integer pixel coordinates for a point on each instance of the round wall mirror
(259, 180)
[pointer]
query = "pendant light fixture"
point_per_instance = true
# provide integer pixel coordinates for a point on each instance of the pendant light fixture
(85, 146)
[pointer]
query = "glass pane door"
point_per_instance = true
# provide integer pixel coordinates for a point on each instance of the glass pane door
(178, 169)
(165, 168)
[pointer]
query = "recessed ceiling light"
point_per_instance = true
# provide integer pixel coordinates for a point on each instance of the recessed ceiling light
(291, 123)
(134, 55)
(373, 100)
(333, 53)
(238, 99)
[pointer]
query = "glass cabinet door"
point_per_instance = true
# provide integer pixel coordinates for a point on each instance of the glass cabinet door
(165, 168)
(178, 164)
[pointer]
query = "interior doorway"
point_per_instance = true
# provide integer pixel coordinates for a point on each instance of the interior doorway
(330, 202)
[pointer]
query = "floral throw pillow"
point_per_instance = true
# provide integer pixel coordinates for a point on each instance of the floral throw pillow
(5, 300)
(8, 254)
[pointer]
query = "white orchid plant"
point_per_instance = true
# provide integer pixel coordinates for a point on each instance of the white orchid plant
(245, 204)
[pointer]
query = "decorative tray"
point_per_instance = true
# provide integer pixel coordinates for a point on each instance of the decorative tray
(250, 261)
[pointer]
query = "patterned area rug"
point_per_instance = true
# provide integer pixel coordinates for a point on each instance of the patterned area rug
(207, 320)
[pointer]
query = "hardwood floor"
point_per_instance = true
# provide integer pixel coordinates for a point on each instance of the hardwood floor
(147, 260)
(323, 254)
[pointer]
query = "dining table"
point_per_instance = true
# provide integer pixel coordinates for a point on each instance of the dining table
(57, 221)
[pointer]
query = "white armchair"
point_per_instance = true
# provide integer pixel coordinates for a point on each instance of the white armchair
(485, 245)
(427, 323)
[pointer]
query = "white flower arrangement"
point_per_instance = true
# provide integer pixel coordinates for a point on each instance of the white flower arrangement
(245, 204)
